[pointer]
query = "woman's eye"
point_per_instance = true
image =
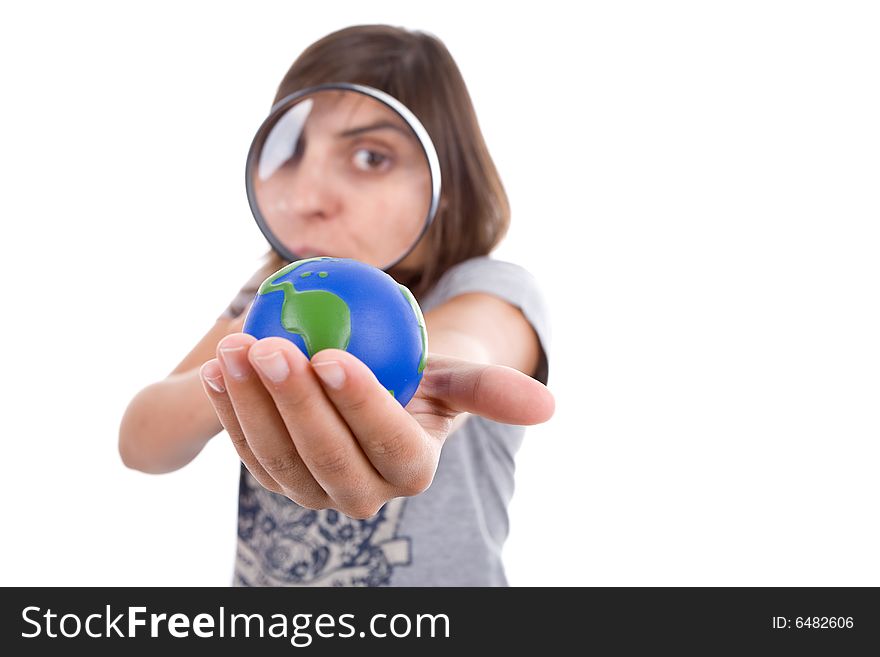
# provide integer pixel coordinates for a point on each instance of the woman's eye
(368, 160)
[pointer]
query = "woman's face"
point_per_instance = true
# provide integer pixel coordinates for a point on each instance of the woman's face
(343, 175)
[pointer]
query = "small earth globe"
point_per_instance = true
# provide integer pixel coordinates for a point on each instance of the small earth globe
(340, 303)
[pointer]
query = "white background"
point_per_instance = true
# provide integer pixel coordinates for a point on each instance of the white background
(695, 184)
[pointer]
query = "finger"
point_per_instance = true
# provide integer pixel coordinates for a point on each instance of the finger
(263, 429)
(322, 437)
(215, 388)
(394, 442)
(496, 392)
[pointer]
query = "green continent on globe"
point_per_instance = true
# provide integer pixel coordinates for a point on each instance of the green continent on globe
(423, 361)
(320, 317)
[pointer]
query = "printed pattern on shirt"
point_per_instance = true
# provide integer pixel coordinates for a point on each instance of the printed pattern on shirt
(281, 543)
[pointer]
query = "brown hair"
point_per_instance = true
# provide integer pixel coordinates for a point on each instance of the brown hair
(417, 69)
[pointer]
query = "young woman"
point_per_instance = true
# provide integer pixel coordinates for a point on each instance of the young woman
(340, 484)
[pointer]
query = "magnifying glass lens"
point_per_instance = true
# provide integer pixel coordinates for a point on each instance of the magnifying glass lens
(341, 173)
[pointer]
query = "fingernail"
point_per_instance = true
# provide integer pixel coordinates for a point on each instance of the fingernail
(213, 377)
(331, 373)
(274, 366)
(235, 360)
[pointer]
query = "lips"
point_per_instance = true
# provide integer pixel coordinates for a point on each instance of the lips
(307, 251)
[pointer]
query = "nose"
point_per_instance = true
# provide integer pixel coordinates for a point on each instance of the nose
(312, 193)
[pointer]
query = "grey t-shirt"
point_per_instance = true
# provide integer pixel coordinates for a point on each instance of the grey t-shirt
(449, 535)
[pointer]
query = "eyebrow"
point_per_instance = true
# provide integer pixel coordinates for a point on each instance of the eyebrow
(380, 125)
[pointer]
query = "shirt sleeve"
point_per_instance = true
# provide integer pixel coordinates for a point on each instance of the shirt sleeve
(507, 281)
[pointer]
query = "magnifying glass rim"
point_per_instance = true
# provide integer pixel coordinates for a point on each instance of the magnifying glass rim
(285, 103)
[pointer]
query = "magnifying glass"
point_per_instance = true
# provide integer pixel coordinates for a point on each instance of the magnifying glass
(343, 170)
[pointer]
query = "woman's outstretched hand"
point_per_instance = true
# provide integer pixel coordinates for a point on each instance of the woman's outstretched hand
(326, 433)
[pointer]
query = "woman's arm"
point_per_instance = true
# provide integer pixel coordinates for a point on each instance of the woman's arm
(324, 431)
(168, 423)
(482, 328)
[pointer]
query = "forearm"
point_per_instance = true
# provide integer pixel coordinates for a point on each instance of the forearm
(458, 344)
(484, 329)
(167, 424)
(451, 342)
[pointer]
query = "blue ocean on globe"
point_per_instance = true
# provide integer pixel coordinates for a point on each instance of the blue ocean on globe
(340, 303)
